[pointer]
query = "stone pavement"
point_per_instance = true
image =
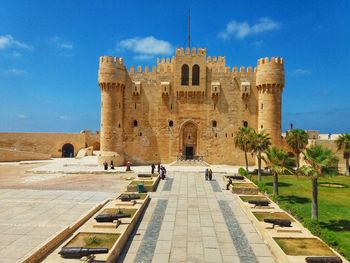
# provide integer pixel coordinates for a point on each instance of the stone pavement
(192, 220)
(30, 217)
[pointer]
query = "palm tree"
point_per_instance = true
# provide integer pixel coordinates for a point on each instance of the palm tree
(260, 143)
(343, 143)
(319, 161)
(297, 140)
(242, 139)
(279, 162)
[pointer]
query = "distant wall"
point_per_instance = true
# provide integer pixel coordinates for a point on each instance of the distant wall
(330, 144)
(8, 155)
(46, 143)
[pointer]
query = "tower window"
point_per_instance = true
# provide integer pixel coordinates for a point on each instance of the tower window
(246, 106)
(140, 133)
(245, 124)
(214, 124)
(185, 73)
(135, 123)
(119, 125)
(135, 106)
(195, 75)
(171, 106)
(171, 123)
(262, 106)
(262, 126)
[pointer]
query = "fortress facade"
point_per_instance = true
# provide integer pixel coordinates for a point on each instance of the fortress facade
(190, 105)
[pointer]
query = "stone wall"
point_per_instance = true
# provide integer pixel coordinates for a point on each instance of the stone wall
(46, 143)
(9, 155)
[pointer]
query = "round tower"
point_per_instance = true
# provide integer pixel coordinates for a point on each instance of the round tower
(270, 83)
(111, 79)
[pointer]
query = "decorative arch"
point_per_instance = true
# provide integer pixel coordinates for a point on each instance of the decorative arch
(195, 75)
(67, 150)
(185, 75)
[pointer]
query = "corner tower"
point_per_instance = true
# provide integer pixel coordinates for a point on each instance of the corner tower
(270, 83)
(112, 80)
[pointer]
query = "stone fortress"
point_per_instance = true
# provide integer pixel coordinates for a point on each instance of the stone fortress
(190, 106)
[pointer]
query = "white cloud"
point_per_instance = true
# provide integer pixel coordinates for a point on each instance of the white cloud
(146, 48)
(13, 72)
(22, 116)
(300, 71)
(65, 118)
(241, 30)
(65, 48)
(8, 41)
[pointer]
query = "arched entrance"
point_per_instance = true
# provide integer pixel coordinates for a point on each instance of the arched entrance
(189, 140)
(67, 151)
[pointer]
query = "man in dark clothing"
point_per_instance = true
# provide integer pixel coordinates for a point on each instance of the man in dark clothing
(152, 168)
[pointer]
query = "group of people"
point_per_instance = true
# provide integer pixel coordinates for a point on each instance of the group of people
(208, 174)
(105, 165)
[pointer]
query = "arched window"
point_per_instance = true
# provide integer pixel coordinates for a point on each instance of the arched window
(135, 123)
(214, 124)
(245, 123)
(195, 75)
(171, 123)
(67, 150)
(185, 73)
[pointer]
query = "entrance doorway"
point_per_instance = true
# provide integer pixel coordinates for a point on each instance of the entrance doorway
(189, 152)
(189, 140)
(67, 151)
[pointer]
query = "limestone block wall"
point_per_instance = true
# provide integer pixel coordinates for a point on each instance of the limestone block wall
(9, 155)
(46, 143)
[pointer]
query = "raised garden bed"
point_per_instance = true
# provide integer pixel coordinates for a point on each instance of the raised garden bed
(93, 240)
(141, 195)
(149, 185)
(246, 198)
(247, 188)
(130, 211)
(276, 215)
(303, 247)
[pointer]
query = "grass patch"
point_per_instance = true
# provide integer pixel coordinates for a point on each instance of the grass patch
(93, 240)
(247, 185)
(275, 215)
(246, 198)
(303, 247)
(334, 207)
(141, 195)
(130, 211)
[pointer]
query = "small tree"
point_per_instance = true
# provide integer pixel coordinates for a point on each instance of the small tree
(297, 140)
(319, 161)
(343, 143)
(242, 139)
(260, 143)
(279, 162)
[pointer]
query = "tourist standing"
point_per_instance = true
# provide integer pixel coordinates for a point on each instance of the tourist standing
(206, 174)
(105, 165)
(152, 168)
(210, 174)
(158, 168)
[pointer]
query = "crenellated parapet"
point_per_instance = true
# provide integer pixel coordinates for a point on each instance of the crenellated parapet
(165, 65)
(194, 52)
(270, 74)
(112, 72)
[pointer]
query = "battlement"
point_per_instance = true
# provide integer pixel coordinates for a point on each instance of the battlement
(272, 60)
(242, 69)
(194, 51)
(111, 60)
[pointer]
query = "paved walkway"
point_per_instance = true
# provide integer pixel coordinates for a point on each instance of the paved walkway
(193, 220)
(29, 217)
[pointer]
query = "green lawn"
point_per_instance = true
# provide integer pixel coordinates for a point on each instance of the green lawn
(334, 207)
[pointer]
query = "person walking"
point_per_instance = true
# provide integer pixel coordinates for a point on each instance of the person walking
(158, 168)
(112, 165)
(152, 168)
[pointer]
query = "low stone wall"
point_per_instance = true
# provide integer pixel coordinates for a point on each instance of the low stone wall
(10, 155)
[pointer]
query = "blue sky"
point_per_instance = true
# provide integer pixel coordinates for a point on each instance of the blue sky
(49, 53)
